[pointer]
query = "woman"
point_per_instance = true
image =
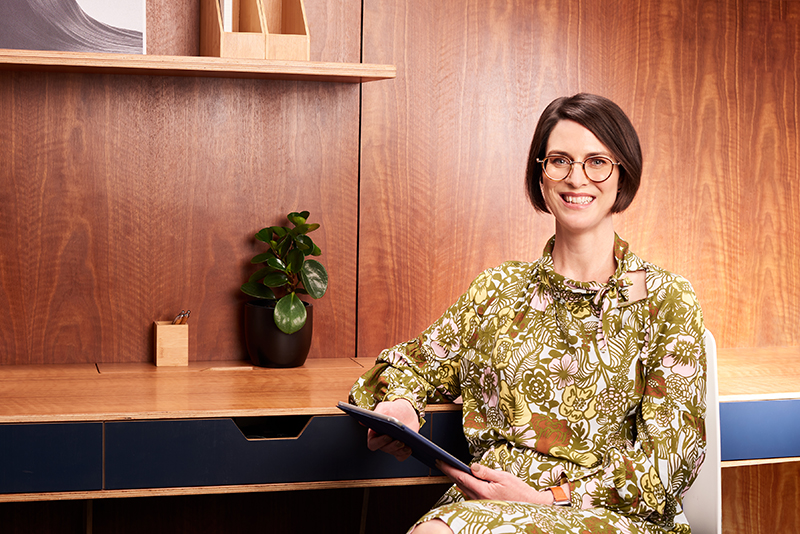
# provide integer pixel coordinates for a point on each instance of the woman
(582, 374)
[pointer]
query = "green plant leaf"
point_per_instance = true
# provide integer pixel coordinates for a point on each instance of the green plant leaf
(261, 258)
(295, 259)
(297, 218)
(305, 244)
(290, 314)
(259, 274)
(276, 264)
(300, 229)
(280, 231)
(315, 278)
(316, 251)
(265, 235)
(284, 245)
(276, 279)
(259, 291)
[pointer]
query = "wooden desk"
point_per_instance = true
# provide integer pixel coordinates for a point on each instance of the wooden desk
(117, 430)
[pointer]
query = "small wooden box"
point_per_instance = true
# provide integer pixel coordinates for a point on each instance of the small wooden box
(172, 344)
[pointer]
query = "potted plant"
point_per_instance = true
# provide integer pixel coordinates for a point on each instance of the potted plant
(278, 326)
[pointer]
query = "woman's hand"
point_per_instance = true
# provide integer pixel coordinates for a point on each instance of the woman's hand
(491, 484)
(403, 411)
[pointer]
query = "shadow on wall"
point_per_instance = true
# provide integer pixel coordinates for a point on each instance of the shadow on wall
(62, 25)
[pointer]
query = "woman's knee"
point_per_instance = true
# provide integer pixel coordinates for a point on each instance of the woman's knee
(433, 526)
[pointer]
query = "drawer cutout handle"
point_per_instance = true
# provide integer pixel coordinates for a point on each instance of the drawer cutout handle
(272, 426)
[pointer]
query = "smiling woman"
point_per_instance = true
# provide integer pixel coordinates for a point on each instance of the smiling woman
(62, 25)
(567, 365)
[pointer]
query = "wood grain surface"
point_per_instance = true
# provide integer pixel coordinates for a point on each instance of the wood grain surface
(761, 498)
(758, 374)
(128, 198)
(113, 392)
(710, 87)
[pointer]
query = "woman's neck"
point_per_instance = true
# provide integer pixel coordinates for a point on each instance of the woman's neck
(585, 257)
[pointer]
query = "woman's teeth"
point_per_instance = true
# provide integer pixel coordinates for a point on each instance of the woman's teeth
(577, 200)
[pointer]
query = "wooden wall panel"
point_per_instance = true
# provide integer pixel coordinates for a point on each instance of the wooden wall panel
(128, 198)
(759, 499)
(768, 212)
(709, 86)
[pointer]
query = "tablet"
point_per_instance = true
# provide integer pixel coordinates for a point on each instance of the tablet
(421, 447)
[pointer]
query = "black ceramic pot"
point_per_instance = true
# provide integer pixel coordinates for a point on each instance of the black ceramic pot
(266, 344)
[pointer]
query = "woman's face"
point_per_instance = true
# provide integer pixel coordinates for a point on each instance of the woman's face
(578, 204)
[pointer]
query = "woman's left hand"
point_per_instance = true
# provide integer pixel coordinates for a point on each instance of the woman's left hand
(491, 484)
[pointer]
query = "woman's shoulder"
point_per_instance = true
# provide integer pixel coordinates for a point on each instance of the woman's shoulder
(663, 284)
(508, 272)
(508, 278)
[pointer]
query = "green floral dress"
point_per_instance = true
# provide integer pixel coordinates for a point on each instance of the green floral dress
(565, 381)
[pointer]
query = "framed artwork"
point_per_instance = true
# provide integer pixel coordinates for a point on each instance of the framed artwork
(116, 26)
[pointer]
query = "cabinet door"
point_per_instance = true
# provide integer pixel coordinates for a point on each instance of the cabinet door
(211, 452)
(51, 457)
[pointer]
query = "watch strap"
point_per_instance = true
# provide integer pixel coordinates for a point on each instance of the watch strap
(559, 496)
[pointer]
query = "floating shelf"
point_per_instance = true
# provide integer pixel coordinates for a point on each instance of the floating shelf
(199, 66)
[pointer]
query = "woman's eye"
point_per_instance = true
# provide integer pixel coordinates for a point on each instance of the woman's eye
(559, 162)
(598, 162)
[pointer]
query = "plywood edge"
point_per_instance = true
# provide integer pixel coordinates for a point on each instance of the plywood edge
(218, 490)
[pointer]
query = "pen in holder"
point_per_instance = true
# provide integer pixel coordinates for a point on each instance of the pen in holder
(172, 344)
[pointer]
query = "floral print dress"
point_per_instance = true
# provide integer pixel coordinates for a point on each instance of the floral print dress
(565, 381)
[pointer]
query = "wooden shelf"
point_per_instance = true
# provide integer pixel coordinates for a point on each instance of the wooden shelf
(215, 67)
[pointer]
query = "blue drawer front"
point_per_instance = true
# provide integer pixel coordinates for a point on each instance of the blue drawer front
(759, 429)
(210, 452)
(51, 457)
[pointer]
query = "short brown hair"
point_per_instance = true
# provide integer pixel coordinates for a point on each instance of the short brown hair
(608, 123)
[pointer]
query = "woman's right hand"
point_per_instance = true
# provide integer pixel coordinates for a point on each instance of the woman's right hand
(403, 411)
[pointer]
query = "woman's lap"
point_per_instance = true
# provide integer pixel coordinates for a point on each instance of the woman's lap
(499, 517)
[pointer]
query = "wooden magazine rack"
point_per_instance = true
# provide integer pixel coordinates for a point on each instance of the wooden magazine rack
(263, 29)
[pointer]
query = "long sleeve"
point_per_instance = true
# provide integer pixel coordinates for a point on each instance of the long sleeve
(425, 369)
(647, 475)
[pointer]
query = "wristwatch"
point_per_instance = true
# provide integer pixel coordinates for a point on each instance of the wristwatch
(560, 496)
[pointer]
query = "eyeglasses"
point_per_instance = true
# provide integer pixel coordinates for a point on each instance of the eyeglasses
(596, 168)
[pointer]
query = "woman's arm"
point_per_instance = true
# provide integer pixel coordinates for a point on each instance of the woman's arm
(426, 368)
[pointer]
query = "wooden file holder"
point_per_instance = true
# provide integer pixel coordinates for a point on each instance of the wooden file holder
(264, 29)
(172, 344)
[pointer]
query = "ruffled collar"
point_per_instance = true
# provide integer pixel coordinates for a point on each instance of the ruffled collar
(607, 299)
(616, 286)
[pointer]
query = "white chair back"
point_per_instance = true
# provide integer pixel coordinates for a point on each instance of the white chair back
(703, 503)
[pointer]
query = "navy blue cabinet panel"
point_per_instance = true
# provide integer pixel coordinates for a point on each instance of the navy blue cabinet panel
(760, 429)
(51, 457)
(211, 452)
(448, 433)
